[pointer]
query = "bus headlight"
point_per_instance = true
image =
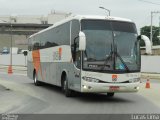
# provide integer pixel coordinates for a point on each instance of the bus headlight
(134, 80)
(89, 79)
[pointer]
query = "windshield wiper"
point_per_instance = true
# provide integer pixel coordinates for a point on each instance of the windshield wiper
(117, 54)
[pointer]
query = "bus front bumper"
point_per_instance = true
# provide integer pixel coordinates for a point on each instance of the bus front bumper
(105, 87)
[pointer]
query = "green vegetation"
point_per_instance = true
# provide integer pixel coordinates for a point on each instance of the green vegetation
(146, 31)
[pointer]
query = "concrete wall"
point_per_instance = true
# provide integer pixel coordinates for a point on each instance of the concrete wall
(5, 41)
(17, 59)
(150, 64)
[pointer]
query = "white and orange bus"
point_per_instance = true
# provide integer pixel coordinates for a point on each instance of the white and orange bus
(91, 54)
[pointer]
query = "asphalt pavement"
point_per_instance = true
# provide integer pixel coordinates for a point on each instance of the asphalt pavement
(22, 96)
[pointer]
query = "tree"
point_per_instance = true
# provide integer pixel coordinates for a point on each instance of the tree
(146, 31)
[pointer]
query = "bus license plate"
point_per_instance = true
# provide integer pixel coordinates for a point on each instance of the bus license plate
(114, 88)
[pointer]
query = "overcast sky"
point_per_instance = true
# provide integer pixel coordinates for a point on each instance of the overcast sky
(135, 10)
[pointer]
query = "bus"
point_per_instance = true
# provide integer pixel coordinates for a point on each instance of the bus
(88, 54)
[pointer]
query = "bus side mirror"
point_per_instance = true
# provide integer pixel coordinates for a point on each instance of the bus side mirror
(82, 41)
(148, 43)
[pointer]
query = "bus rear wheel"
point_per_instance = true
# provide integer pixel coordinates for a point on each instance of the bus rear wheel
(110, 94)
(67, 91)
(36, 82)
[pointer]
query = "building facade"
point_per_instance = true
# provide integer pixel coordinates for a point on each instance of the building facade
(17, 28)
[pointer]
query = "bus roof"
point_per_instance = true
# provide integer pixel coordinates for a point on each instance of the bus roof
(80, 17)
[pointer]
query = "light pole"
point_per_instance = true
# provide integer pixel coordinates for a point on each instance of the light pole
(151, 28)
(159, 29)
(10, 66)
(109, 11)
(159, 26)
(151, 33)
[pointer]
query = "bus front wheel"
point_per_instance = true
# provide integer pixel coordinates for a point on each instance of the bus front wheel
(110, 94)
(67, 91)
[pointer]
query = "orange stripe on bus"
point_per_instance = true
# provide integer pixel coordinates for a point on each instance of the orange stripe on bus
(36, 59)
(60, 51)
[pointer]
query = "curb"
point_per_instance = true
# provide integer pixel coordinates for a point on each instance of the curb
(3, 88)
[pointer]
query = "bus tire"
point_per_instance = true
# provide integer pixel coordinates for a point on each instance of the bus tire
(67, 91)
(110, 94)
(36, 82)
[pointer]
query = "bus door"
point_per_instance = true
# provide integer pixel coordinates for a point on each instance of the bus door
(75, 71)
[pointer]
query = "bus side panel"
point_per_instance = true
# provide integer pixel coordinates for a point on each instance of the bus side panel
(48, 73)
(51, 63)
(30, 66)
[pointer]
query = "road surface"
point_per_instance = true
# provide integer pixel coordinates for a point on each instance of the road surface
(19, 95)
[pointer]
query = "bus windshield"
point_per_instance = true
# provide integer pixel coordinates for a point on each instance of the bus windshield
(111, 46)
